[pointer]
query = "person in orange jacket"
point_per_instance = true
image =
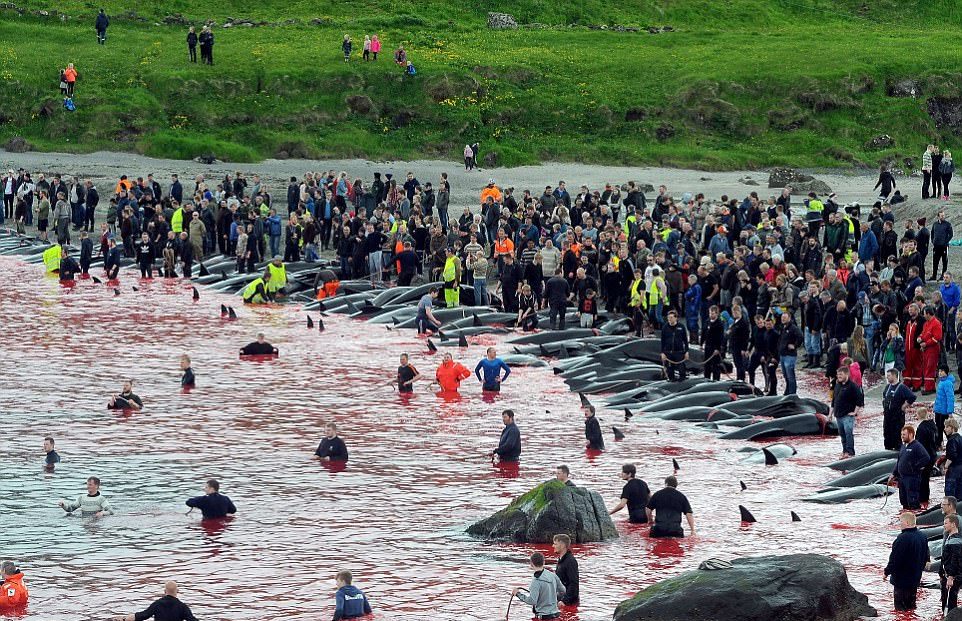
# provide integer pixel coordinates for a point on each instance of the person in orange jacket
(450, 374)
(491, 190)
(13, 593)
(930, 342)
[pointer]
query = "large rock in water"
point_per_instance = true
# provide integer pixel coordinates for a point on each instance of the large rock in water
(797, 587)
(547, 510)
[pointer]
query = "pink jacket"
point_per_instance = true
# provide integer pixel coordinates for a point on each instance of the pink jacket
(375, 45)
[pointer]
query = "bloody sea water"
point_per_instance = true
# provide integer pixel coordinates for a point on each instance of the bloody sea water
(395, 516)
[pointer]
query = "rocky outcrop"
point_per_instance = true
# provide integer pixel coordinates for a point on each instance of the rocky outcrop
(799, 182)
(797, 587)
(501, 21)
(665, 131)
(903, 88)
(547, 510)
(882, 141)
(360, 104)
(946, 112)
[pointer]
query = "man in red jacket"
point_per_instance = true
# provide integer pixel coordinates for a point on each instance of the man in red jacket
(13, 593)
(450, 374)
(930, 342)
(913, 353)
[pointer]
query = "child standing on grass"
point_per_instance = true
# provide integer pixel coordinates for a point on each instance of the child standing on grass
(375, 46)
(70, 76)
(346, 46)
(367, 48)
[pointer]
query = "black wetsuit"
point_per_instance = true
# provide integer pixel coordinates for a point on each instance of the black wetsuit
(637, 493)
(567, 572)
(188, 378)
(333, 448)
(52, 458)
(68, 268)
(212, 506)
(257, 349)
(593, 433)
(124, 399)
(404, 375)
(167, 608)
(669, 506)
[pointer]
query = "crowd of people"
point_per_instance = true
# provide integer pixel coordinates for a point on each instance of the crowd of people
(753, 281)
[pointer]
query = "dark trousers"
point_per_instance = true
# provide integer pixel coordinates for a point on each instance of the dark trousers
(754, 361)
(8, 205)
(939, 254)
(677, 372)
(892, 424)
(146, 270)
(950, 597)
(187, 270)
(101, 36)
(660, 530)
(192, 52)
(926, 179)
(945, 178)
(905, 598)
(713, 368)
(556, 311)
(88, 223)
(740, 365)
(936, 183)
(909, 491)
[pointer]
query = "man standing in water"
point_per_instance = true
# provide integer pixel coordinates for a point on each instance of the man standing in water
(93, 504)
(566, 569)
(593, 435)
(665, 508)
(635, 494)
(13, 596)
(126, 400)
(349, 601)
(910, 553)
(492, 366)
(167, 608)
(544, 591)
(332, 447)
(260, 347)
(212, 504)
(509, 447)
(450, 374)
(406, 375)
(51, 457)
(187, 380)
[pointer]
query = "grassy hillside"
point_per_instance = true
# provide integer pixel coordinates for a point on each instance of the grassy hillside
(743, 83)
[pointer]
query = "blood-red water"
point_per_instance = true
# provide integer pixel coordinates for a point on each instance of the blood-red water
(395, 516)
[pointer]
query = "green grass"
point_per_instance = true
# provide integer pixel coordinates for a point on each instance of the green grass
(742, 84)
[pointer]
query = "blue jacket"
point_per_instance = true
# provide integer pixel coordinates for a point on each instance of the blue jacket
(350, 602)
(945, 395)
(693, 301)
(911, 285)
(910, 553)
(951, 294)
(868, 246)
(274, 226)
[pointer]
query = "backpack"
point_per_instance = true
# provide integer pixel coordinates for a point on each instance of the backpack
(69, 104)
(411, 70)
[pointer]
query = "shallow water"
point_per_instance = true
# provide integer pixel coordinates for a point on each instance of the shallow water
(418, 475)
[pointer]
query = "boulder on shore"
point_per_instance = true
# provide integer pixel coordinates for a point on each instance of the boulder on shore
(547, 510)
(796, 587)
(502, 21)
(799, 182)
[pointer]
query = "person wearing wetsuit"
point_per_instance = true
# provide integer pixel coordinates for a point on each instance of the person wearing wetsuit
(112, 260)
(408, 262)
(634, 495)
(68, 266)
(912, 459)
(145, 256)
(406, 375)
(187, 380)
(666, 507)
(509, 446)
(566, 569)
(212, 504)
(593, 430)
(51, 457)
(167, 608)
(492, 366)
(86, 253)
(332, 447)
(260, 347)
(713, 339)
(349, 601)
(126, 400)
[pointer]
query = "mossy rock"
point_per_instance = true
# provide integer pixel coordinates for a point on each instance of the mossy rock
(547, 510)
